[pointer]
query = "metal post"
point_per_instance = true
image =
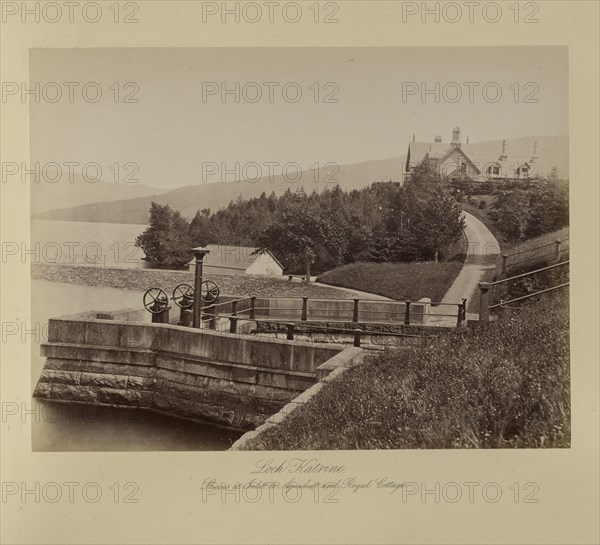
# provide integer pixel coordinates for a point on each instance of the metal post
(252, 308)
(185, 317)
(557, 250)
(161, 317)
(290, 332)
(304, 316)
(212, 318)
(462, 313)
(357, 337)
(484, 301)
(199, 254)
(355, 312)
(407, 313)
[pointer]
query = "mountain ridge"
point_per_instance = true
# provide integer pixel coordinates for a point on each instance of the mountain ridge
(553, 151)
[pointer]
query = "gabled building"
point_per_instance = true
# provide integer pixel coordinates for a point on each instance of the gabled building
(457, 161)
(237, 260)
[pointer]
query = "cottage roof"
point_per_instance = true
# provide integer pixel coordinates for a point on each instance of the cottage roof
(233, 257)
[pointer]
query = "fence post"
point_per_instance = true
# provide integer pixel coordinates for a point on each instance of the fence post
(234, 307)
(407, 313)
(290, 332)
(252, 308)
(304, 316)
(212, 316)
(357, 338)
(504, 260)
(484, 301)
(462, 313)
(355, 311)
(557, 250)
(232, 324)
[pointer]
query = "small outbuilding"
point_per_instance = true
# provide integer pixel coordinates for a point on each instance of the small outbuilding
(237, 260)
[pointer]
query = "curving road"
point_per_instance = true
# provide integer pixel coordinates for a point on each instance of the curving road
(482, 254)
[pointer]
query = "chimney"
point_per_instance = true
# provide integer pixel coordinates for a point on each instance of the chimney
(503, 157)
(456, 136)
(535, 157)
(413, 136)
(437, 139)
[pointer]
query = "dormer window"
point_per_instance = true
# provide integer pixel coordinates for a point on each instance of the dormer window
(493, 170)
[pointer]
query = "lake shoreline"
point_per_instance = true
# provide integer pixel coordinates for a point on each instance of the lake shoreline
(143, 279)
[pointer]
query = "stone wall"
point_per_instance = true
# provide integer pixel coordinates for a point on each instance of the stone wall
(233, 380)
(330, 370)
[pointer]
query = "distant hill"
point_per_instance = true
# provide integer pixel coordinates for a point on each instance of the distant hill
(189, 199)
(48, 196)
(553, 151)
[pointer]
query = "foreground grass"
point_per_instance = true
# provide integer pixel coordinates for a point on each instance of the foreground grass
(502, 385)
(396, 280)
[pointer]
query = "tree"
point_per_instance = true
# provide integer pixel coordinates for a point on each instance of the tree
(299, 233)
(438, 223)
(166, 241)
(200, 231)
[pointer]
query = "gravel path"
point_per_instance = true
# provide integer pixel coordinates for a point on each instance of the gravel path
(481, 257)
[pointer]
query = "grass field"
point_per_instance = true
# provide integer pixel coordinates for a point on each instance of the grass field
(501, 385)
(402, 281)
(142, 279)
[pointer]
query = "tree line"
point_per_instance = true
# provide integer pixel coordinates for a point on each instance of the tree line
(385, 222)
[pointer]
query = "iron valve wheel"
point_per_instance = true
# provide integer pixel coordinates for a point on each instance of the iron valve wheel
(155, 300)
(183, 296)
(209, 292)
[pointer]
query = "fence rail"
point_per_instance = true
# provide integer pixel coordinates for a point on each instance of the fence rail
(293, 329)
(485, 287)
(509, 261)
(368, 311)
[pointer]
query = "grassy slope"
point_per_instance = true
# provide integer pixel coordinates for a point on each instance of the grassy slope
(505, 384)
(396, 280)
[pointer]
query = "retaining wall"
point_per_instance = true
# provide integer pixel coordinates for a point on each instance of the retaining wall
(233, 380)
(330, 370)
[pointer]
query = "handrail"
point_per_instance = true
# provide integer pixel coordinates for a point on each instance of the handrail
(498, 282)
(497, 305)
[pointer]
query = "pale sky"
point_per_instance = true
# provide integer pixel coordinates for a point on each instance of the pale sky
(170, 132)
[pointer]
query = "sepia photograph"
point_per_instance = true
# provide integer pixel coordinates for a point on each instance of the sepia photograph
(299, 272)
(299, 248)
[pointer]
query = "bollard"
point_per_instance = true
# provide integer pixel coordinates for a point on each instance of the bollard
(357, 337)
(484, 301)
(355, 311)
(304, 316)
(161, 317)
(290, 332)
(252, 308)
(185, 318)
(407, 313)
